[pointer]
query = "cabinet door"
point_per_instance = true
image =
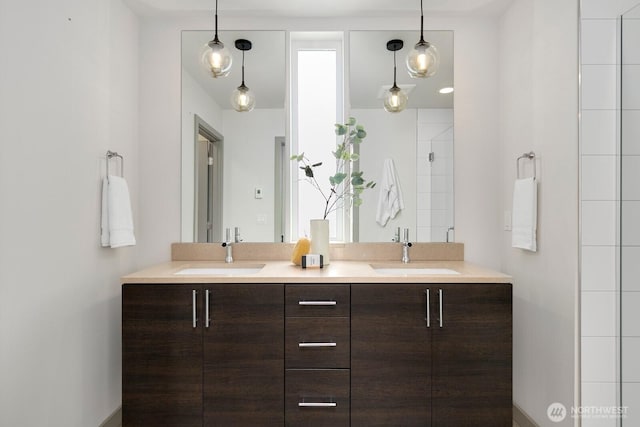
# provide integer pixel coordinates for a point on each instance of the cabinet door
(244, 356)
(472, 355)
(161, 356)
(390, 356)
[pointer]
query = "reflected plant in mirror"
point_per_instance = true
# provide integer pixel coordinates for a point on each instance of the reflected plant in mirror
(342, 192)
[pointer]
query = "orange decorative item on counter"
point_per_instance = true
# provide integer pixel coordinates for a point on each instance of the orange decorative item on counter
(301, 248)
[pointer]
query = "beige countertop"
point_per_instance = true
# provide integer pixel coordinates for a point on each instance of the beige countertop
(336, 272)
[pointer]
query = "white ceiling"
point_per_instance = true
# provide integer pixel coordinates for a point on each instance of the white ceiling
(322, 8)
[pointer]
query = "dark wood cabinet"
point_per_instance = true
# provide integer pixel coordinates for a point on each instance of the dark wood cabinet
(244, 353)
(182, 368)
(317, 398)
(361, 355)
(390, 349)
(472, 356)
(161, 356)
(431, 355)
(317, 355)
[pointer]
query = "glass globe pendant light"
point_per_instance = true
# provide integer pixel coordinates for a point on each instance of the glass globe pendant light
(242, 99)
(395, 100)
(424, 59)
(215, 57)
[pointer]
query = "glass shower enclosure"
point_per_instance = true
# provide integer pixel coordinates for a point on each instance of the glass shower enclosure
(629, 210)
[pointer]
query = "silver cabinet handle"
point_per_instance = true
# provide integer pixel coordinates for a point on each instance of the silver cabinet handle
(317, 303)
(316, 344)
(440, 298)
(428, 309)
(207, 317)
(195, 310)
(317, 404)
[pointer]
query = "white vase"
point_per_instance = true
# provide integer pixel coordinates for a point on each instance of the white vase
(320, 238)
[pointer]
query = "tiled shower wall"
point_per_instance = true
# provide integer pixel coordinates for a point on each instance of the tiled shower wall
(434, 183)
(600, 200)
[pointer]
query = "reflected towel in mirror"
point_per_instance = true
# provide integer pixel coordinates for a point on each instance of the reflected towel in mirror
(390, 201)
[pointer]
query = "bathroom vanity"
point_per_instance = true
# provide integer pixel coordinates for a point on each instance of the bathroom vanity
(339, 346)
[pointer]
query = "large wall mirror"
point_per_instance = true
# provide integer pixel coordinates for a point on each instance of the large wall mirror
(235, 166)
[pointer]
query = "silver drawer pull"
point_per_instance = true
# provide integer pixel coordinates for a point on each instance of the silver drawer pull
(194, 300)
(317, 404)
(317, 303)
(316, 344)
(441, 302)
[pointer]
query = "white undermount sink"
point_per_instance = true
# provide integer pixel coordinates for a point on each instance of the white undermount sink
(414, 271)
(219, 271)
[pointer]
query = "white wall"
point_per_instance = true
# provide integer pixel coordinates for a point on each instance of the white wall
(476, 132)
(390, 136)
(249, 162)
(538, 111)
(68, 93)
(407, 139)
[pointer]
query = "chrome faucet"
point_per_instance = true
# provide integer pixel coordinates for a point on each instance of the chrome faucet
(405, 246)
(227, 244)
(236, 236)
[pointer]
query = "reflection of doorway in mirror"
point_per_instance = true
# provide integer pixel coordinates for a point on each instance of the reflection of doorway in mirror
(280, 193)
(208, 184)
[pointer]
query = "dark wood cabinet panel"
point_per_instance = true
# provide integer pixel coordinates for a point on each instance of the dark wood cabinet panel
(244, 356)
(393, 364)
(472, 356)
(302, 300)
(317, 330)
(390, 356)
(161, 356)
(317, 386)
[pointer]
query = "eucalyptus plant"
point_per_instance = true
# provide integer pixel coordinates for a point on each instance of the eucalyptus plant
(341, 189)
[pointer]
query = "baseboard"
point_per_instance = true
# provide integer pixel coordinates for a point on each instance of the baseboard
(521, 417)
(113, 420)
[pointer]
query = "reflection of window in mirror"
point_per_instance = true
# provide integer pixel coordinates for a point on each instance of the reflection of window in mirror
(317, 104)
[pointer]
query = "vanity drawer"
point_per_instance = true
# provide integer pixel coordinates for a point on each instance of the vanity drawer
(318, 342)
(317, 300)
(317, 398)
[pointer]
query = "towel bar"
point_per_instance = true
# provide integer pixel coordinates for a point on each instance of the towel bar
(109, 156)
(531, 156)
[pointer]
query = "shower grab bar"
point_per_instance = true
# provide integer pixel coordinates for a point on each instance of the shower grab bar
(531, 156)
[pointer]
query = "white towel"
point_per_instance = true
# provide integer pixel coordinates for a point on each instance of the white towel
(117, 219)
(390, 201)
(524, 215)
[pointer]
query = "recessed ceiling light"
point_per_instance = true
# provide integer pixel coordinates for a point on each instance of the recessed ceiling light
(446, 90)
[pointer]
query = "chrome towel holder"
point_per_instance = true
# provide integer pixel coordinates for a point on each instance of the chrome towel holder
(530, 156)
(109, 156)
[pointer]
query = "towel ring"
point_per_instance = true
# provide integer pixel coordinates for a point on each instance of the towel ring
(531, 156)
(109, 156)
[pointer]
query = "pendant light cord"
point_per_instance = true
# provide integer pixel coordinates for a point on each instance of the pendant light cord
(242, 68)
(421, 22)
(216, 22)
(394, 69)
